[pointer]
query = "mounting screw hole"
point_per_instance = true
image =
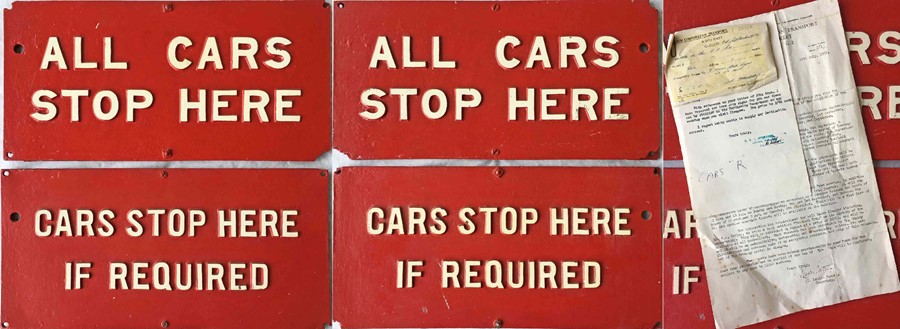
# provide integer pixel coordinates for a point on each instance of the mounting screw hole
(646, 215)
(18, 49)
(6, 173)
(5, 324)
(644, 48)
(340, 5)
(14, 217)
(9, 154)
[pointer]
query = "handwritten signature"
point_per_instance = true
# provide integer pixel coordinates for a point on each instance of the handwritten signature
(710, 175)
(766, 140)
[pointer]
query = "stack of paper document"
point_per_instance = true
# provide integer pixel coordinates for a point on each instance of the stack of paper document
(778, 165)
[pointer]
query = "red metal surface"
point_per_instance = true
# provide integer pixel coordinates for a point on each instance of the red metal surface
(485, 131)
(693, 311)
(682, 311)
(33, 268)
(859, 16)
(864, 16)
(141, 32)
(365, 293)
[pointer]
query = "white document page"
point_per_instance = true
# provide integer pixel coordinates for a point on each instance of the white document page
(801, 253)
(742, 149)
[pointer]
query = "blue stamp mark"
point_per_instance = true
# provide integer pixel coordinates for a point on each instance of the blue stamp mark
(766, 140)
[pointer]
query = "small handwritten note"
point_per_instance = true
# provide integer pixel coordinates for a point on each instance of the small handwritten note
(718, 61)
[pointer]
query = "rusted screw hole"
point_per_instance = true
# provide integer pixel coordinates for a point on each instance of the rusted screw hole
(337, 171)
(498, 323)
(167, 153)
(646, 215)
(325, 5)
(340, 5)
(323, 173)
(14, 217)
(18, 48)
(496, 7)
(656, 171)
(644, 48)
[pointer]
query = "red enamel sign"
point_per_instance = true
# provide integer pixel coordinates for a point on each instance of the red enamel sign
(875, 57)
(141, 248)
(167, 81)
(690, 307)
(874, 47)
(686, 302)
(441, 247)
(517, 80)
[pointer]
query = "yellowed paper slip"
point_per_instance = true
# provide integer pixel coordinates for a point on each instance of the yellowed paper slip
(717, 61)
